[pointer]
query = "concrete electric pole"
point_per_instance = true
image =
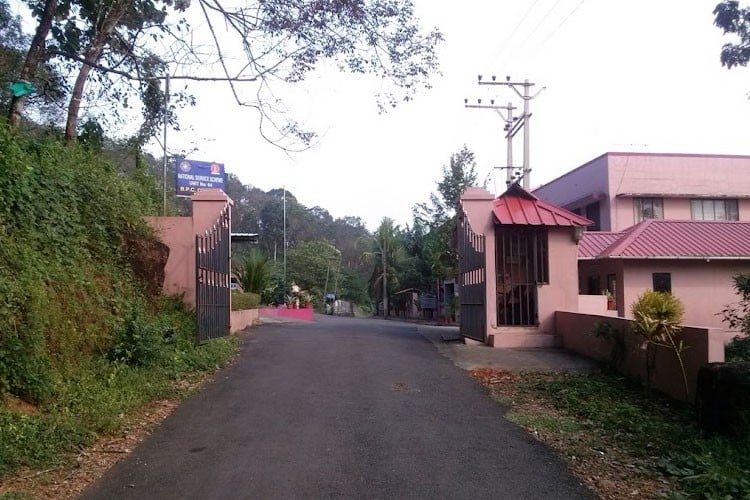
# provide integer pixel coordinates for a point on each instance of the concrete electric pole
(512, 124)
(525, 117)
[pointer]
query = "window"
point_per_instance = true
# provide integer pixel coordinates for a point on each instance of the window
(593, 213)
(714, 210)
(662, 282)
(648, 208)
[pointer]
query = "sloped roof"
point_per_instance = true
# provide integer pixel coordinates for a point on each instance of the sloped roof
(676, 239)
(519, 207)
(595, 242)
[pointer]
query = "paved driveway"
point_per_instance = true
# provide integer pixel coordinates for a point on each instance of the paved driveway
(339, 408)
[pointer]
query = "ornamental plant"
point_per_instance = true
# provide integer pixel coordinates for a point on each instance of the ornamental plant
(658, 318)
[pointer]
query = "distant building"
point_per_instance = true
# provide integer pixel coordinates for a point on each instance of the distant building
(618, 190)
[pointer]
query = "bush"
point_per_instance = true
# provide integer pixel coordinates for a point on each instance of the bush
(738, 349)
(245, 300)
(657, 321)
(137, 342)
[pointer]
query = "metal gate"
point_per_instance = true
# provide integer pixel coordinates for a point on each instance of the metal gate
(473, 277)
(212, 261)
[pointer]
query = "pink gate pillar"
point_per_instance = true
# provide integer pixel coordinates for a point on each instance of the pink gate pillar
(178, 233)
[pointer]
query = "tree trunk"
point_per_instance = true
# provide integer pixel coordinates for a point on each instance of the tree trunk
(91, 57)
(385, 286)
(34, 57)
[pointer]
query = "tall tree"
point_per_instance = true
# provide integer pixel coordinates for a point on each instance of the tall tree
(437, 218)
(732, 18)
(385, 251)
(281, 40)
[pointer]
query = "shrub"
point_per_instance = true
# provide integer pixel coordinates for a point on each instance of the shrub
(137, 342)
(657, 320)
(245, 300)
(738, 349)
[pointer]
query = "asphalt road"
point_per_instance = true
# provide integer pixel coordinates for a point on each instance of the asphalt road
(339, 408)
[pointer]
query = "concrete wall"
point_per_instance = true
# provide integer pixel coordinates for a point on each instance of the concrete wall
(178, 233)
(705, 346)
(239, 320)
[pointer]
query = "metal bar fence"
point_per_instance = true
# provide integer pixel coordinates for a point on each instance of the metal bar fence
(212, 262)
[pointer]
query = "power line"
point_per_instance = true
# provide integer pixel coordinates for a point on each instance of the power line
(504, 45)
(541, 21)
(557, 28)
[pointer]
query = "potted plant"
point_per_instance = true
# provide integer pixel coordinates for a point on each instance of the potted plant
(289, 301)
(306, 300)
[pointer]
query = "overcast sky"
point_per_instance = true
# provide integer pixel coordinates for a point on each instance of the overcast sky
(640, 75)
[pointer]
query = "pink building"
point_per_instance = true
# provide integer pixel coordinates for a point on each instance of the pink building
(618, 190)
(667, 225)
(693, 260)
(517, 265)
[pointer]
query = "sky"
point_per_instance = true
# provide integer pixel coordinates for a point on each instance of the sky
(641, 75)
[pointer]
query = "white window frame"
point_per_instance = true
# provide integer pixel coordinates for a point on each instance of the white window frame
(706, 209)
(656, 205)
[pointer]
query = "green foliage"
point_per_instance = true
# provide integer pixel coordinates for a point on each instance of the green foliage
(246, 300)
(657, 320)
(663, 436)
(137, 341)
(313, 265)
(429, 241)
(385, 253)
(253, 272)
(92, 399)
(738, 349)
(731, 18)
(64, 213)
(737, 315)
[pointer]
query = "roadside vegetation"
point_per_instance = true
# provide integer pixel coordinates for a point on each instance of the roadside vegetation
(83, 337)
(621, 442)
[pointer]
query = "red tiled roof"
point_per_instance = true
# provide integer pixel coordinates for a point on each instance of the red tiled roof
(595, 242)
(517, 206)
(673, 239)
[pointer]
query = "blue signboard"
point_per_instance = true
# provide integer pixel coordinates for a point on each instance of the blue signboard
(193, 175)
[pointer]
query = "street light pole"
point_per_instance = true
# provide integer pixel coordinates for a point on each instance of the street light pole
(164, 151)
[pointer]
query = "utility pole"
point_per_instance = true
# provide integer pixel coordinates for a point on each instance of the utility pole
(284, 238)
(512, 124)
(525, 117)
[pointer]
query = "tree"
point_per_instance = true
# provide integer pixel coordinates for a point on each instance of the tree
(436, 219)
(313, 265)
(735, 20)
(281, 40)
(385, 251)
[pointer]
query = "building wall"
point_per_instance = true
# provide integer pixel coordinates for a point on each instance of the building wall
(616, 178)
(706, 346)
(562, 290)
(679, 174)
(703, 287)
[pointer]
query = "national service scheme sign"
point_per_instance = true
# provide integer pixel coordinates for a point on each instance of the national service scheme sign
(193, 175)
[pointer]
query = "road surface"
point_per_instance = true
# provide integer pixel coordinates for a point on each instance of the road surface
(339, 408)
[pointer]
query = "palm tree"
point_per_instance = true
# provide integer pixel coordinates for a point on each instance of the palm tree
(385, 248)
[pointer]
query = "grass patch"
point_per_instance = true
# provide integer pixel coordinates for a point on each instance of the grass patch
(661, 435)
(93, 400)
